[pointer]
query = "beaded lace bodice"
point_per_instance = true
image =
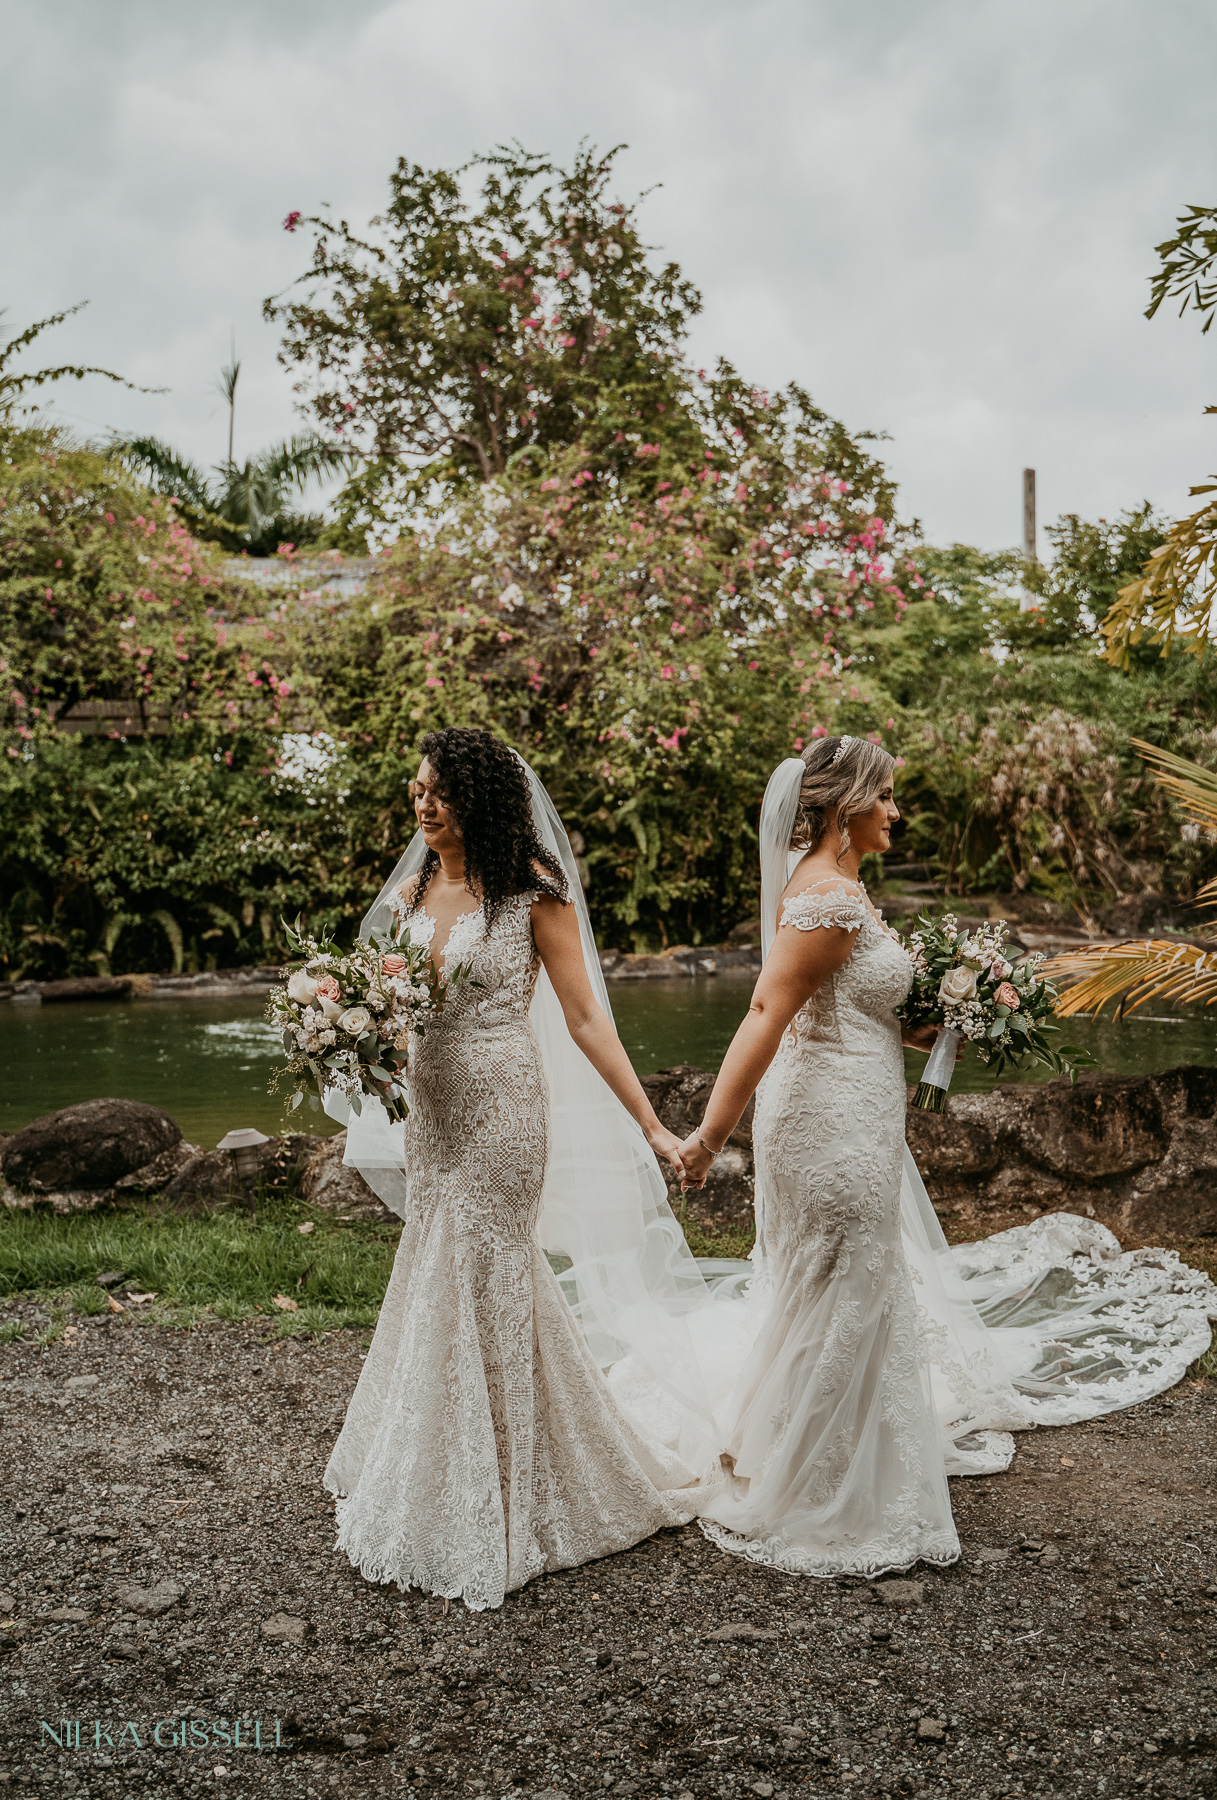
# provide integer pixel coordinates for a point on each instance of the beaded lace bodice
(854, 1008)
(500, 965)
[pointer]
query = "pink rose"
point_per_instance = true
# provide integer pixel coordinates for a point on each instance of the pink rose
(328, 989)
(999, 968)
(1008, 996)
(392, 965)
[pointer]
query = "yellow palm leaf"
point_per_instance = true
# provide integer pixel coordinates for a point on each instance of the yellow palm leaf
(1149, 969)
(1195, 788)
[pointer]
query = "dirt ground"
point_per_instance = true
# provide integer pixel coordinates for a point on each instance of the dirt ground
(166, 1556)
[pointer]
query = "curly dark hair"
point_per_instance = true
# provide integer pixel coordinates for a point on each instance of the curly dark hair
(484, 783)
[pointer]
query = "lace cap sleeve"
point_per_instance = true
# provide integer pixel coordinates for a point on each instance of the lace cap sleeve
(843, 907)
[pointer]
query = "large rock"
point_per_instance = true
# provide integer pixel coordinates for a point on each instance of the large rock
(89, 1146)
(87, 987)
(210, 1178)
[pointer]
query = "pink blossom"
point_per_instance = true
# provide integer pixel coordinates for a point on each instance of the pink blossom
(328, 989)
(392, 965)
(1008, 996)
(667, 672)
(292, 220)
(434, 681)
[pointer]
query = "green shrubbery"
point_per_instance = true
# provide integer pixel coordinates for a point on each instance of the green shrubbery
(653, 581)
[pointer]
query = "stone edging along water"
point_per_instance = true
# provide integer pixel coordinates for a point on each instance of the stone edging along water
(226, 984)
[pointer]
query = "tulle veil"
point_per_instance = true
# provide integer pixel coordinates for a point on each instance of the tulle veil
(1047, 1323)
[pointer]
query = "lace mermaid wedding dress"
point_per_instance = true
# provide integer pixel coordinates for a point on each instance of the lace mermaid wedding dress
(482, 1445)
(838, 1463)
(878, 1360)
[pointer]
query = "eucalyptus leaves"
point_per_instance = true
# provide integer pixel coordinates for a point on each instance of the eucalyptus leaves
(347, 1018)
(965, 982)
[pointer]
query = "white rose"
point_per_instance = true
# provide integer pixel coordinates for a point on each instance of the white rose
(301, 988)
(957, 985)
(330, 1008)
(356, 1020)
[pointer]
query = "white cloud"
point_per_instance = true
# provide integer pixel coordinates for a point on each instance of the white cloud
(938, 215)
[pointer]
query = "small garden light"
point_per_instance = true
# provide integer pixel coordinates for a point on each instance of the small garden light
(244, 1146)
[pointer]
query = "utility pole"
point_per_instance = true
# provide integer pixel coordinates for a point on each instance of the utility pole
(1027, 601)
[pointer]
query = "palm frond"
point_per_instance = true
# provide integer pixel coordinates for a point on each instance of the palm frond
(1150, 969)
(165, 469)
(1193, 786)
(296, 461)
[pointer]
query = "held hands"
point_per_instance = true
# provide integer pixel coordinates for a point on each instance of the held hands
(666, 1144)
(697, 1160)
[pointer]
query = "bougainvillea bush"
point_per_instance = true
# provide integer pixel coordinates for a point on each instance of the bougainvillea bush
(143, 848)
(653, 580)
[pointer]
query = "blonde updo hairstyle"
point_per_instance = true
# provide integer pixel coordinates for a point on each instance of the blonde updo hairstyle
(835, 789)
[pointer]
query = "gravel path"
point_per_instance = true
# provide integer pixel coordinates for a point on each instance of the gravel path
(167, 1556)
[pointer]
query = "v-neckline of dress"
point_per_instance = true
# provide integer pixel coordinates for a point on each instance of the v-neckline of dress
(439, 961)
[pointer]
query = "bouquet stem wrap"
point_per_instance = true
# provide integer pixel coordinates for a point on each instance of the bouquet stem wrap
(931, 1095)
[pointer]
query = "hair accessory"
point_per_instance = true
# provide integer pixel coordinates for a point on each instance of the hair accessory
(840, 750)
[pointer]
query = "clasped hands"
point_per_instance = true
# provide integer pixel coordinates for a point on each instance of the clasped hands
(690, 1160)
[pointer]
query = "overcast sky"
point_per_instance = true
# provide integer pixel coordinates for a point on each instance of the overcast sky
(938, 215)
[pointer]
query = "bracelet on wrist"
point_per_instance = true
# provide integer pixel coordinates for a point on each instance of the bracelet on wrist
(709, 1152)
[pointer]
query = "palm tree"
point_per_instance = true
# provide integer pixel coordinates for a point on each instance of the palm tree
(244, 506)
(1154, 968)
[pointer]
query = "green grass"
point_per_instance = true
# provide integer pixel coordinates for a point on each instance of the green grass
(704, 1241)
(230, 1264)
(227, 1264)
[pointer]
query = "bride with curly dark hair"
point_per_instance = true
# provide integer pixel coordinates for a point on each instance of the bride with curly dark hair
(483, 1445)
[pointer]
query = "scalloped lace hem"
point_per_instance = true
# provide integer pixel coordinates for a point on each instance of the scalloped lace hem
(939, 1549)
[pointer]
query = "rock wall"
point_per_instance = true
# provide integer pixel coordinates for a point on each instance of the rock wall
(1139, 1150)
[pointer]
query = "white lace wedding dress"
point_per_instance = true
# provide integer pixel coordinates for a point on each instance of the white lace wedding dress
(876, 1361)
(482, 1445)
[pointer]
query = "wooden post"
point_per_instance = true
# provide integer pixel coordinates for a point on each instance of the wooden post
(1029, 515)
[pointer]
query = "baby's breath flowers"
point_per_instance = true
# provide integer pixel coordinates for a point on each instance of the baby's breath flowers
(965, 982)
(347, 1017)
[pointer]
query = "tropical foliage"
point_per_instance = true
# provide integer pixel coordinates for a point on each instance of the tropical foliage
(242, 506)
(1157, 969)
(652, 579)
(1174, 599)
(459, 336)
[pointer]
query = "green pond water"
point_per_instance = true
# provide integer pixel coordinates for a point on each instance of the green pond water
(207, 1062)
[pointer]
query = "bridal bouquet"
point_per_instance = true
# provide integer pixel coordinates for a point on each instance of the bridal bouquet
(347, 1016)
(965, 982)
